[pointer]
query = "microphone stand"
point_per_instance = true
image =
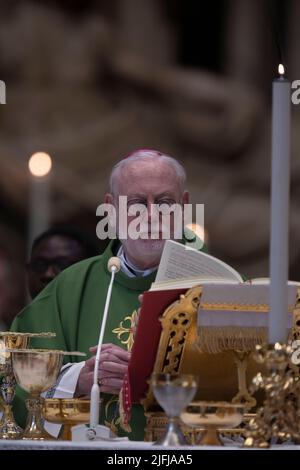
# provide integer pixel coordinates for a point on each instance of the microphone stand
(97, 431)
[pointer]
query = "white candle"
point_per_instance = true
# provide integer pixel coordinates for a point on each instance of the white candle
(280, 195)
(40, 165)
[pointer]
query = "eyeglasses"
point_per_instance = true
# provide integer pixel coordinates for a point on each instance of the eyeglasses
(42, 265)
(158, 203)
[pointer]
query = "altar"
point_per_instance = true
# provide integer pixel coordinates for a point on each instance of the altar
(124, 446)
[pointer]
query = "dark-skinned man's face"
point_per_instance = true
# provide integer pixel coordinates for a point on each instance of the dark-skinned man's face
(49, 257)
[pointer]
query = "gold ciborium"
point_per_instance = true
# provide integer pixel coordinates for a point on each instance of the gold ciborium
(36, 370)
(11, 341)
(68, 412)
(212, 416)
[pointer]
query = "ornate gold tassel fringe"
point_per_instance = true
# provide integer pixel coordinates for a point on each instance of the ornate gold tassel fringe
(214, 340)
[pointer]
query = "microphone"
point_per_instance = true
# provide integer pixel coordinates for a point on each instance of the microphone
(113, 266)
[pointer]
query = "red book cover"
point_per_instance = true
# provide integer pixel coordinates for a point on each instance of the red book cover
(145, 345)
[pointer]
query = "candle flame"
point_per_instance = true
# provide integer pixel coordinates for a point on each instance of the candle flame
(281, 69)
(40, 164)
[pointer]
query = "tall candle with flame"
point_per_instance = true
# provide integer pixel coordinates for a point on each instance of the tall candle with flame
(280, 195)
(39, 165)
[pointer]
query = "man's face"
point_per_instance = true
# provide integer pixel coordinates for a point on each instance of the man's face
(147, 183)
(49, 258)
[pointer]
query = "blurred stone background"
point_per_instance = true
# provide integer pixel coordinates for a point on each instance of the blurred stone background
(89, 81)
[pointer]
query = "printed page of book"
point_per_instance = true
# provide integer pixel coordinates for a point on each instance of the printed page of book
(179, 261)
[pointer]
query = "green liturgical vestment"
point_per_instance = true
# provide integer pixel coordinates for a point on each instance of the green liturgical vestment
(72, 306)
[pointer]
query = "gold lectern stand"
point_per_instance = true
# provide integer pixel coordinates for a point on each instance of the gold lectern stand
(179, 352)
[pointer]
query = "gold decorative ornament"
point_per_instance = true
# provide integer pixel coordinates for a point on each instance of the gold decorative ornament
(243, 396)
(279, 418)
(125, 333)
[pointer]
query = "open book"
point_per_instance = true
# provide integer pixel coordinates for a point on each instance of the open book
(182, 266)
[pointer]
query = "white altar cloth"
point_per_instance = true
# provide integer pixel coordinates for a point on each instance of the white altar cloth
(118, 446)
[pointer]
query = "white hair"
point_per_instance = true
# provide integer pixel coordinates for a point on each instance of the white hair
(146, 154)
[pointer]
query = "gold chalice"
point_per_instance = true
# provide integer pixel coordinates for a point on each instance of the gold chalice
(212, 416)
(10, 341)
(68, 412)
(36, 370)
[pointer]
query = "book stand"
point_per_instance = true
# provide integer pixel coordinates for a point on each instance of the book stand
(179, 351)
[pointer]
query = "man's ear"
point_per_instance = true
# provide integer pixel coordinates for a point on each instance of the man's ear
(186, 197)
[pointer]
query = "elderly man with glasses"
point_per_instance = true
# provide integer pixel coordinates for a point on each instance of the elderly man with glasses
(72, 305)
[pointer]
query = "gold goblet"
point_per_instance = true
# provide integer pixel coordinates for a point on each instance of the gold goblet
(11, 340)
(68, 412)
(36, 370)
(212, 416)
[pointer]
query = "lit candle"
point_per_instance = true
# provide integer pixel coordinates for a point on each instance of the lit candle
(280, 194)
(40, 165)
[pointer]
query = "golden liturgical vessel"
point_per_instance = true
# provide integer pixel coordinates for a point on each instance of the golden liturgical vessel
(9, 341)
(68, 412)
(36, 371)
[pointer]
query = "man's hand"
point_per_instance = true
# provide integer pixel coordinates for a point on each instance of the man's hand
(112, 367)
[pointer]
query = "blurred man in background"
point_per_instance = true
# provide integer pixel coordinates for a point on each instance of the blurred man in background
(53, 251)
